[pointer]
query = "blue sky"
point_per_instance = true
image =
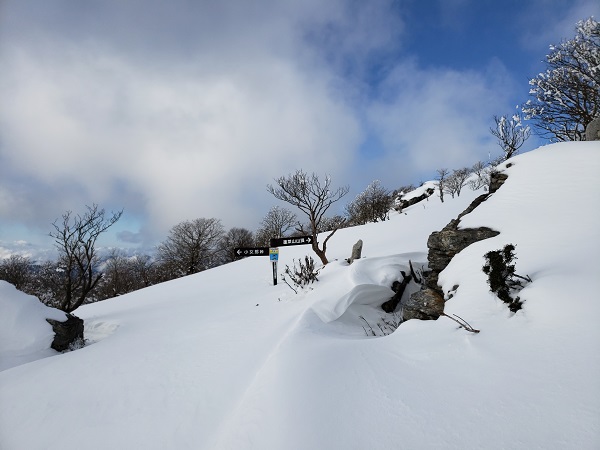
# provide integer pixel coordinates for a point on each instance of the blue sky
(178, 110)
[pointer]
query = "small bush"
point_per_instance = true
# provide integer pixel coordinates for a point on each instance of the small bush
(502, 278)
(302, 274)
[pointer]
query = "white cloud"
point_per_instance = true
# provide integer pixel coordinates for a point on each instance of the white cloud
(438, 118)
(186, 141)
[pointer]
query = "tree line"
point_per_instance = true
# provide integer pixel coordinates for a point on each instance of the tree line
(81, 275)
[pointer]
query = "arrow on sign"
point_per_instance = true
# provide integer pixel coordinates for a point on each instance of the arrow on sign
(251, 251)
(296, 240)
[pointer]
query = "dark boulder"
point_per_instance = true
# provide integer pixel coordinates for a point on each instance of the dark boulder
(426, 304)
(444, 244)
(413, 201)
(497, 179)
(67, 333)
(398, 287)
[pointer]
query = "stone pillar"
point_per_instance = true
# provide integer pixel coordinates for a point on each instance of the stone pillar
(356, 251)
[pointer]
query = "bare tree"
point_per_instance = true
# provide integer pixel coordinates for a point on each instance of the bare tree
(124, 274)
(331, 223)
(75, 238)
(371, 205)
(118, 278)
(191, 247)
(442, 175)
(511, 134)
(234, 238)
(313, 197)
(145, 271)
(566, 97)
(276, 223)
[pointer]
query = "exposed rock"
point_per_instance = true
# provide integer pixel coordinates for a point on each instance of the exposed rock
(497, 179)
(443, 245)
(356, 251)
(592, 131)
(428, 303)
(66, 333)
(425, 304)
(406, 203)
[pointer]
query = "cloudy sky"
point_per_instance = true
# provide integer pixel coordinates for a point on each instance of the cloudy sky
(175, 110)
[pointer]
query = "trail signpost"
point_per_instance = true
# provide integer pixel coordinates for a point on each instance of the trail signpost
(273, 251)
(274, 256)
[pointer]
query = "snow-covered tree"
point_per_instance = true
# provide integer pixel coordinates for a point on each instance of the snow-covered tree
(511, 133)
(371, 205)
(454, 183)
(277, 223)
(566, 97)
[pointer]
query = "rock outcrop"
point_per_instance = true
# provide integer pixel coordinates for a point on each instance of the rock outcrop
(413, 201)
(443, 245)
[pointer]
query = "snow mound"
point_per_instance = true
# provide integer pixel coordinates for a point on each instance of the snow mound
(24, 333)
(370, 279)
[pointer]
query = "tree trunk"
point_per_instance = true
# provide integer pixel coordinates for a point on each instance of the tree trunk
(320, 253)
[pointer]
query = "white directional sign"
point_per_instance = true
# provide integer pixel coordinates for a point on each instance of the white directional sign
(251, 251)
(296, 240)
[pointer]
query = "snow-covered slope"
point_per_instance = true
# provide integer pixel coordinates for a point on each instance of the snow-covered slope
(225, 360)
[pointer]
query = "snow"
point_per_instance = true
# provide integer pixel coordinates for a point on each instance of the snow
(24, 333)
(420, 190)
(225, 360)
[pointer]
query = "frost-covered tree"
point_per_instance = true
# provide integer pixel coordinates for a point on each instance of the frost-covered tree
(566, 97)
(511, 133)
(277, 223)
(313, 196)
(371, 205)
(454, 183)
(482, 175)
